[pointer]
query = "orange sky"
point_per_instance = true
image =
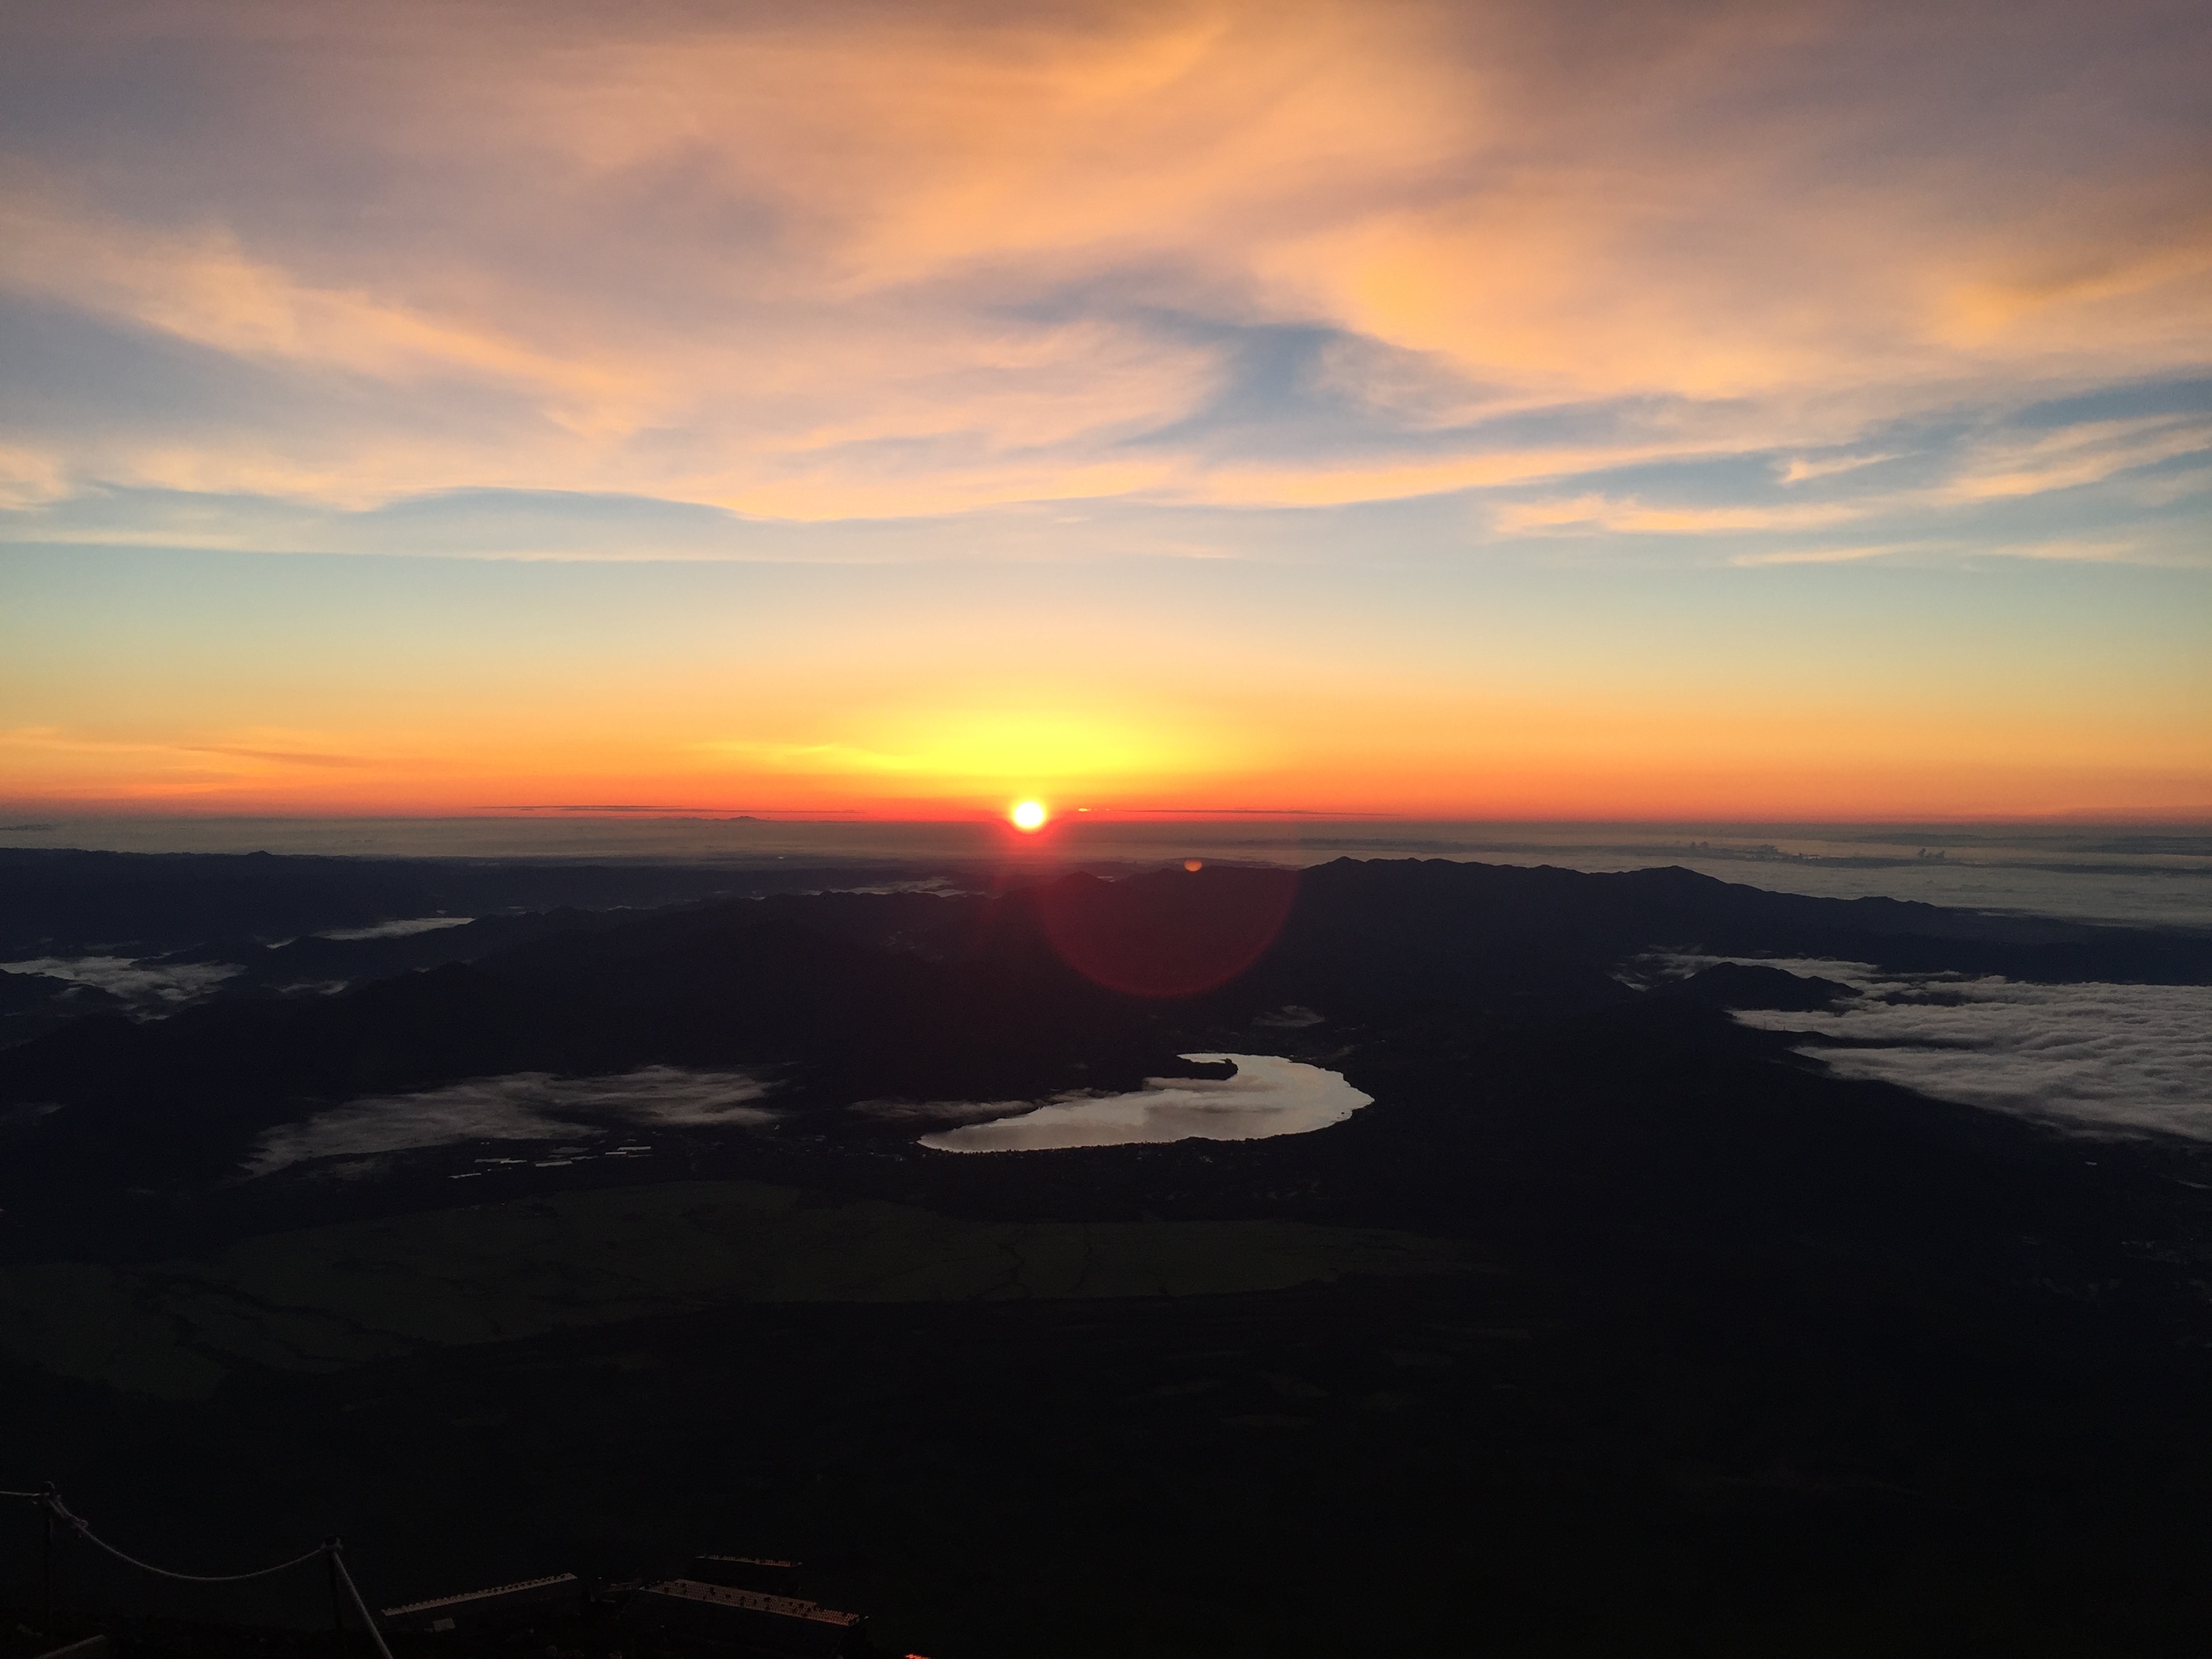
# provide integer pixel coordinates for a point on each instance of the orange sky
(1457, 409)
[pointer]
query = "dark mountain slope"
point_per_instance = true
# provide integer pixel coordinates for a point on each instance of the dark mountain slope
(1523, 1091)
(1749, 1360)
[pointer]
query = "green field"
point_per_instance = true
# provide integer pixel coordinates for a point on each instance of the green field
(328, 1298)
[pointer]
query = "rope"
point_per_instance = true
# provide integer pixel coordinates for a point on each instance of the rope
(78, 1524)
(330, 1548)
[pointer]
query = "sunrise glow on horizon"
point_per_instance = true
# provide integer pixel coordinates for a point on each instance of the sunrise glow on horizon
(1436, 410)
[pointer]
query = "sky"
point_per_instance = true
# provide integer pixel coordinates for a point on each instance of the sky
(1782, 410)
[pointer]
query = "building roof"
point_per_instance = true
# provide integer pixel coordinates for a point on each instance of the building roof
(412, 1610)
(751, 1561)
(724, 1595)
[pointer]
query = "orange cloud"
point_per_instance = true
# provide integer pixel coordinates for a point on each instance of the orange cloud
(2074, 455)
(848, 260)
(1591, 512)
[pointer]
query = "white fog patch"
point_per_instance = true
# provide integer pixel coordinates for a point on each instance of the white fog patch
(662, 1094)
(1268, 1096)
(133, 981)
(489, 1109)
(397, 929)
(2115, 1058)
(521, 1106)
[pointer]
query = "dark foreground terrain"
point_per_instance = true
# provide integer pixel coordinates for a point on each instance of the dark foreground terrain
(1612, 1326)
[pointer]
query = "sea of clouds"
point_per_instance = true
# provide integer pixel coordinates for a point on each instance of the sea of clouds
(521, 1106)
(2124, 1059)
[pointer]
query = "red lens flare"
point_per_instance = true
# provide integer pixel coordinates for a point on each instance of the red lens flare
(1174, 933)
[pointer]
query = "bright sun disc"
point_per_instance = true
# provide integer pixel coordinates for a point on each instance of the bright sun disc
(1029, 815)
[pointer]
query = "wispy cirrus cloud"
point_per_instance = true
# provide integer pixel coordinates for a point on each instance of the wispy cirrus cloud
(1847, 555)
(2030, 464)
(30, 477)
(1799, 468)
(1585, 513)
(854, 262)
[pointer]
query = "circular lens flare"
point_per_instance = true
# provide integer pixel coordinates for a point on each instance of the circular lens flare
(1028, 816)
(1154, 936)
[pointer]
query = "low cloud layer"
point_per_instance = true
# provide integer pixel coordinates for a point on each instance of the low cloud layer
(521, 1106)
(401, 929)
(2124, 1059)
(1267, 1096)
(153, 984)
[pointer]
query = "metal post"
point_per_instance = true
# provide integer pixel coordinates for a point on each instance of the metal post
(360, 1607)
(332, 1545)
(46, 1552)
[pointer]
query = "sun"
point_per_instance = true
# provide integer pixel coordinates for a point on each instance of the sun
(1028, 816)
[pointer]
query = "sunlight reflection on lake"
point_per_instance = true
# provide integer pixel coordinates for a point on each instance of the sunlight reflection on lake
(1268, 1096)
